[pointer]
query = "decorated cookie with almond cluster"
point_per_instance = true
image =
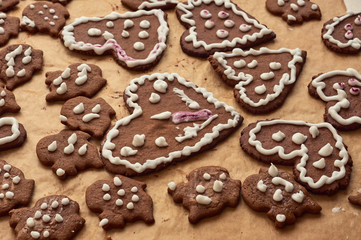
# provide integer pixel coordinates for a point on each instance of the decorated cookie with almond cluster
(208, 191)
(119, 201)
(78, 79)
(68, 152)
(12, 133)
(89, 115)
(44, 17)
(277, 193)
(137, 40)
(263, 78)
(15, 189)
(7, 5)
(218, 26)
(52, 217)
(294, 11)
(343, 34)
(7, 101)
(321, 162)
(18, 64)
(9, 27)
(149, 4)
(171, 119)
(340, 90)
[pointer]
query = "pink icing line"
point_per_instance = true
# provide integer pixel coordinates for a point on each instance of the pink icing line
(181, 117)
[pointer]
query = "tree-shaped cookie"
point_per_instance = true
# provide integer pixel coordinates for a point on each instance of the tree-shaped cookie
(15, 189)
(89, 115)
(68, 152)
(171, 120)
(12, 133)
(208, 191)
(52, 217)
(149, 4)
(137, 40)
(7, 101)
(321, 162)
(294, 11)
(44, 17)
(261, 78)
(7, 5)
(78, 79)
(343, 34)
(9, 27)
(119, 201)
(18, 64)
(341, 92)
(218, 25)
(277, 193)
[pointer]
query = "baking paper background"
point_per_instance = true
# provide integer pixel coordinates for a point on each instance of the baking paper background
(42, 119)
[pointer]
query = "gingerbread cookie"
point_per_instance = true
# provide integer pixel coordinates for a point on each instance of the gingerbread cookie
(68, 152)
(19, 63)
(218, 26)
(294, 11)
(341, 92)
(89, 115)
(12, 133)
(7, 101)
(149, 4)
(171, 120)
(319, 157)
(208, 191)
(77, 80)
(119, 201)
(137, 40)
(262, 78)
(6, 5)
(44, 17)
(343, 34)
(277, 193)
(355, 199)
(52, 217)
(16, 190)
(9, 27)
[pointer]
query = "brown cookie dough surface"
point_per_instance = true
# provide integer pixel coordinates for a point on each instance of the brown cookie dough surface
(7, 5)
(9, 27)
(7, 101)
(149, 4)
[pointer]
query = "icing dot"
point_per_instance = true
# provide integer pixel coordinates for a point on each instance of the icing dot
(109, 24)
(106, 197)
(127, 151)
(52, 11)
(143, 34)
(105, 187)
(46, 218)
(52, 23)
(277, 196)
(35, 234)
(260, 89)
(2, 195)
(134, 189)
(6, 175)
(348, 26)
(138, 140)
(314, 7)
(65, 201)
(121, 192)
(83, 150)
(32, 6)
(135, 198)
(60, 172)
(55, 17)
(172, 186)
(45, 6)
(144, 24)
(117, 182)
(349, 34)
(40, 12)
(30, 222)
(125, 34)
(160, 86)
(221, 33)
(46, 234)
(209, 24)
(44, 206)
(130, 206)
(103, 222)
(245, 27)
(355, 91)
(94, 32)
(339, 85)
(128, 23)
(37, 214)
(267, 76)
(204, 200)
(58, 218)
(280, 218)
(55, 204)
(314, 131)
(161, 142)
(139, 46)
(200, 189)
(223, 176)
(217, 186)
(239, 64)
(301, 3)
(5, 186)
(9, 195)
(228, 23)
(261, 186)
(205, 14)
(299, 138)
(280, 3)
(273, 171)
(7, 167)
(223, 15)
(119, 202)
(320, 164)
(291, 17)
(275, 65)
(294, 7)
(154, 98)
(326, 150)
(358, 20)
(16, 179)
(252, 64)
(353, 82)
(298, 197)
(206, 176)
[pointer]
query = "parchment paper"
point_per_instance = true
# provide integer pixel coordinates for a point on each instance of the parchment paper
(41, 119)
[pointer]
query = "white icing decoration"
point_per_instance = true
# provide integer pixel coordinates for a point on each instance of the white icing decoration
(189, 102)
(252, 64)
(21, 73)
(15, 131)
(134, 189)
(301, 3)
(267, 76)
(135, 198)
(160, 86)
(110, 24)
(314, 131)
(240, 63)
(206, 176)
(37, 214)
(16, 180)
(83, 150)
(273, 171)
(320, 164)
(138, 140)
(162, 32)
(143, 34)
(52, 147)
(154, 98)
(223, 176)
(280, 181)
(223, 14)
(107, 35)
(275, 65)
(44, 206)
(245, 28)
(121, 192)
(228, 23)
(162, 116)
(294, 7)
(25, 21)
(172, 186)
(299, 138)
(46, 218)
(278, 136)
(125, 34)
(144, 24)
(35, 234)
(79, 109)
(117, 181)
(119, 202)
(96, 108)
(62, 89)
(150, 4)
(63, 118)
(161, 142)
(314, 7)
(82, 74)
(303, 152)
(139, 46)
(108, 146)
(107, 197)
(204, 200)
(89, 117)
(200, 189)
(326, 150)
(7, 167)
(291, 17)
(280, 218)
(277, 196)
(209, 24)
(10, 58)
(280, 3)
(127, 151)
(130, 206)
(60, 172)
(217, 186)
(103, 222)
(261, 186)
(128, 23)
(205, 14)
(94, 32)
(9, 195)
(221, 33)
(260, 89)
(30, 222)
